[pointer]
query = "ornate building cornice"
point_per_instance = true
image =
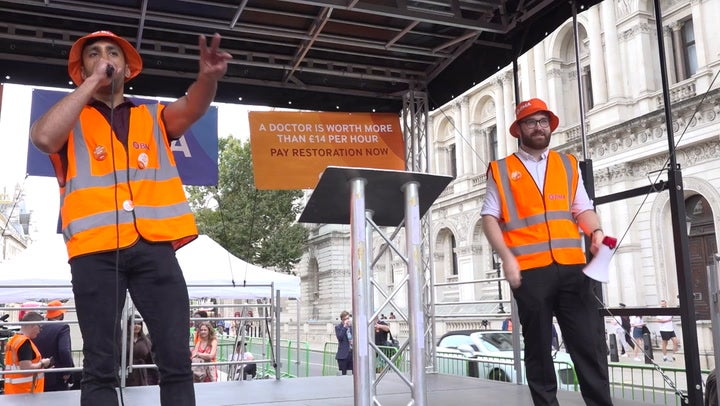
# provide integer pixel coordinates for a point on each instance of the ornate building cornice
(637, 29)
(641, 132)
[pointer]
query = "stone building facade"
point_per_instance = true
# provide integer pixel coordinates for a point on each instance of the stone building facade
(626, 140)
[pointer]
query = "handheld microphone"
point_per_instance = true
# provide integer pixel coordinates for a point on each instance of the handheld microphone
(109, 70)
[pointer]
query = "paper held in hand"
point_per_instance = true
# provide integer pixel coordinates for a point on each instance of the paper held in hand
(599, 266)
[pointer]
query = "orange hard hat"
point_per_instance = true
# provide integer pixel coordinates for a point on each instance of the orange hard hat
(75, 63)
(528, 108)
(53, 313)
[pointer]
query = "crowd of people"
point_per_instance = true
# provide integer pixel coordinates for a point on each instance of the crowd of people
(631, 333)
(44, 343)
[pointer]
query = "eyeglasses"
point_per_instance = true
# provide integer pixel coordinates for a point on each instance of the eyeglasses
(532, 123)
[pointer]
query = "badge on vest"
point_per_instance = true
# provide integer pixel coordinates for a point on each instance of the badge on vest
(128, 205)
(515, 175)
(142, 160)
(100, 153)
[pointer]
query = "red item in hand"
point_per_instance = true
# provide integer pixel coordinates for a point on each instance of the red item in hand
(610, 242)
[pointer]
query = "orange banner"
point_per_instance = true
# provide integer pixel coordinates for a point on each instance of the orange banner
(290, 150)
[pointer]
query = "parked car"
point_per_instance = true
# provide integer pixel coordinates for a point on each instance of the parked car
(489, 354)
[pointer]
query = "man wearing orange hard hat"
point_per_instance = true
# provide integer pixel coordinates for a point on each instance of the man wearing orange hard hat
(123, 209)
(53, 341)
(535, 201)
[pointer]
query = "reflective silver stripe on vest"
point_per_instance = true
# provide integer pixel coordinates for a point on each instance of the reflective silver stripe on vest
(569, 173)
(536, 219)
(25, 379)
(84, 180)
(545, 246)
(509, 198)
(95, 220)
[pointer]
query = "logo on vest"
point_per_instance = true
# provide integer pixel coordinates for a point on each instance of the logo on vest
(556, 196)
(141, 145)
(515, 175)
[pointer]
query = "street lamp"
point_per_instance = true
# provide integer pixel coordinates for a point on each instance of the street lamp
(496, 267)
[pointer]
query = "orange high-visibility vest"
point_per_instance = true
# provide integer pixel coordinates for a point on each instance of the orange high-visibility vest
(539, 227)
(21, 383)
(137, 190)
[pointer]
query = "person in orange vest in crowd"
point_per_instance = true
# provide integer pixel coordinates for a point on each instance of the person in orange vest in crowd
(123, 209)
(535, 201)
(54, 342)
(22, 354)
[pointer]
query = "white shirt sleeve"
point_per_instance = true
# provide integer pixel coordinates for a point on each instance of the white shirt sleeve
(491, 204)
(582, 201)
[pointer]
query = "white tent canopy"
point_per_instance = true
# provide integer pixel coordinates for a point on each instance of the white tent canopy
(42, 272)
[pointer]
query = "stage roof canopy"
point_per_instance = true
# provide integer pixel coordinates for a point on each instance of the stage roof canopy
(331, 55)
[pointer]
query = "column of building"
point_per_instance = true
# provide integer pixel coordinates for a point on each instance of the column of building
(468, 150)
(540, 71)
(509, 96)
(460, 144)
(677, 44)
(615, 79)
(597, 62)
(669, 54)
(555, 89)
(527, 82)
(638, 34)
(502, 131)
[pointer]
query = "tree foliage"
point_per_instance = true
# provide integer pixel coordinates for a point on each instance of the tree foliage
(258, 226)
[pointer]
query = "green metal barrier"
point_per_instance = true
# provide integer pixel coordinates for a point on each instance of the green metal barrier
(262, 348)
(294, 357)
(646, 384)
(399, 361)
(497, 368)
(631, 381)
(329, 366)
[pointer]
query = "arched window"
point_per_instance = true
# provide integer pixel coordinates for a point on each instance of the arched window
(453, 245)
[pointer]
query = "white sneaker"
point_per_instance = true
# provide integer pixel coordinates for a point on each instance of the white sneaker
(624, 355)
(637, 359)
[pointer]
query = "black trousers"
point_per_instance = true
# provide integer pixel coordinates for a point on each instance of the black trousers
(565, 291)
(150, 272)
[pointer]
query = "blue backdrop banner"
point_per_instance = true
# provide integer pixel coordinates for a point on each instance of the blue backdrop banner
(196, 152)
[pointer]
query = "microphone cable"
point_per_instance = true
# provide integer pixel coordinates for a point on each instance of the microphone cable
(109, 70)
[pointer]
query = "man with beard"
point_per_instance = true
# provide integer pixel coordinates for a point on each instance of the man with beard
(534, 203)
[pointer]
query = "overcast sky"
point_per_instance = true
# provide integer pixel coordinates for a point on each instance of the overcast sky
(41, 194)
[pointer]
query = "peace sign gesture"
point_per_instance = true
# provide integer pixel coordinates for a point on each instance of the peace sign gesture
(213, 61)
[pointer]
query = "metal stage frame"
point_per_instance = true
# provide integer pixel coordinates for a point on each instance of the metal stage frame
(323, 391)
(368, 199)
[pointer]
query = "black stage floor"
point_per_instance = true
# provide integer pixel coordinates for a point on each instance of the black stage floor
(322, 391)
